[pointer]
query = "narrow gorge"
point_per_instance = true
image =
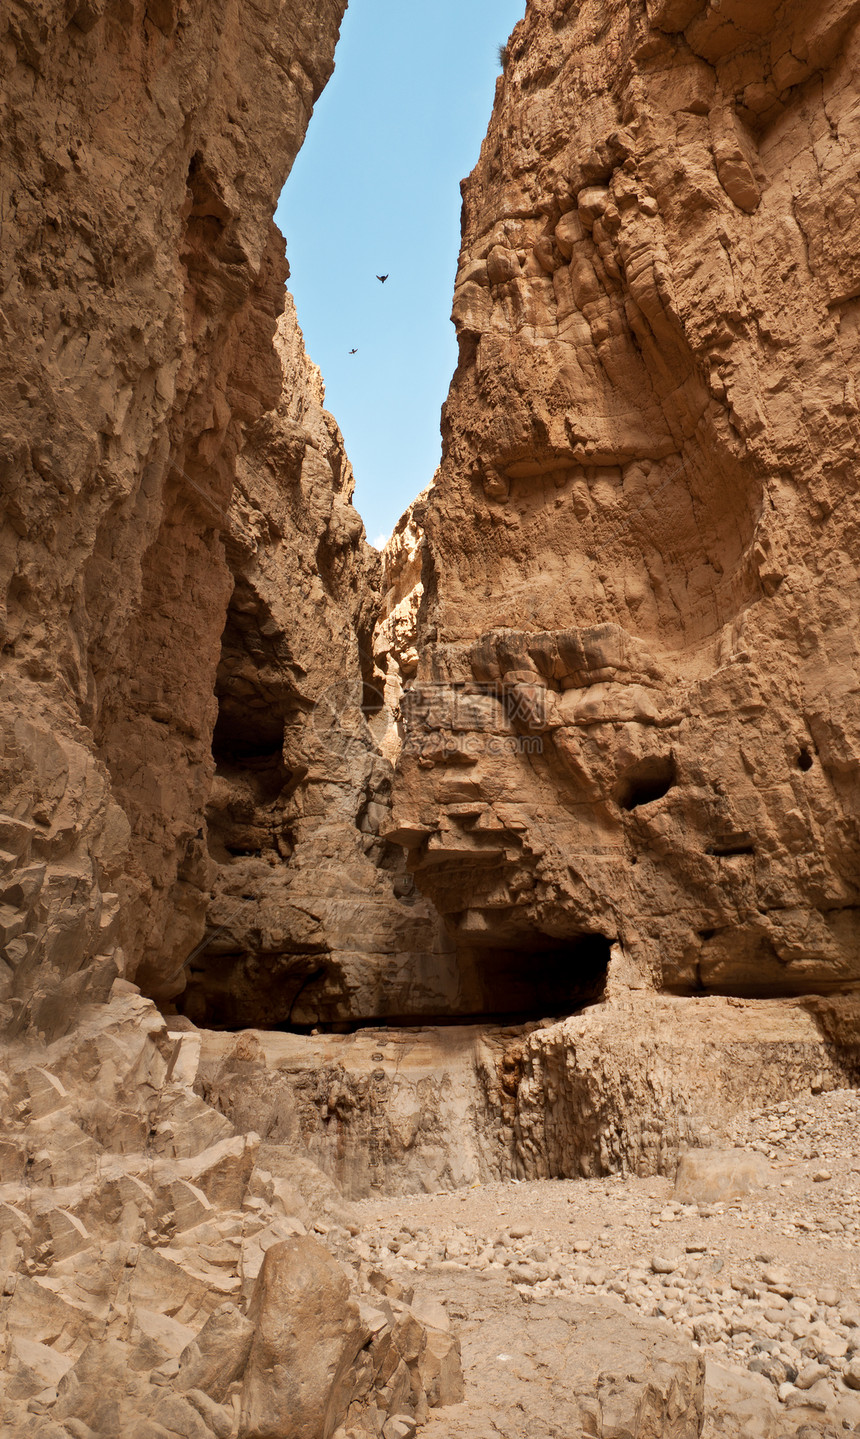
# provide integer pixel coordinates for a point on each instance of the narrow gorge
(514, 866)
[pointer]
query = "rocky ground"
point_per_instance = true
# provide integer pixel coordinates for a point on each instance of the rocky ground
(164, 1277)
(763, 1285)
(224, 1277)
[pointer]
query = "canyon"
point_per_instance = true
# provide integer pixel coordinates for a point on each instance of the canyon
(522, 854)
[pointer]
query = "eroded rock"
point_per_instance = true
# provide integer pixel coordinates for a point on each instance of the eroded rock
(633, 718)
(307, 1334)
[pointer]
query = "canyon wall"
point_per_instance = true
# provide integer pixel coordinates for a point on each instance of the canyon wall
(621, 620)
(314, 917)
(144, 149)
(616, 631)
(190, 787)
(614, 651)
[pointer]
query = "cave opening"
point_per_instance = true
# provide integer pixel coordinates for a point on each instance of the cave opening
(534, 976)
(255, 697)
(248, 746)
(646, 781)
(242, 736)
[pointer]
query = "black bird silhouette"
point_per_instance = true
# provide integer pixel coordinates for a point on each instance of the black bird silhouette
(382, 279)
(353, 352)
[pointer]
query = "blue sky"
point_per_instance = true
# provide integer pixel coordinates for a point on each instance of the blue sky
(375, 190)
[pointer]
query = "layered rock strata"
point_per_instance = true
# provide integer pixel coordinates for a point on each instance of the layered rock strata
(621, 1089)
(622, 615)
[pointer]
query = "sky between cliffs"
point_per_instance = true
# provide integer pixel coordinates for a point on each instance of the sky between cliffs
(375, 190)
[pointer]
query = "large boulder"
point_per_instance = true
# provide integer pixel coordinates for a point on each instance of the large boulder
(308, 1332)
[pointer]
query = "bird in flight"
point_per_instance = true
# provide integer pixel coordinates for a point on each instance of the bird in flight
(382, 279)
(353, 352)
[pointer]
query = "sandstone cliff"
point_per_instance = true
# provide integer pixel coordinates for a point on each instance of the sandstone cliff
(617, 668)
(635, 715)
(184, 582)
(144, 147)
(314, 917)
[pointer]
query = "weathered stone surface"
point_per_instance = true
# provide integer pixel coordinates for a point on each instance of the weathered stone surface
(741, 1405)
(191, 783)
(617, 671)
(574, 1356)
(217, 1356)
(314, 916)
(715, 1175)
(625, 1086)
(630, 708)
(394, 1110)
(307, 1334)
(142, 277)
(127, 1290)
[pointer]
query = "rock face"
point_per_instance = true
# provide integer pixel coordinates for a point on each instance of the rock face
(155, 1275)
(612, 653)
(142, 278)
(314, 917)
(308, 1334)
(622, 1088)
(192, 789)
(635, 713)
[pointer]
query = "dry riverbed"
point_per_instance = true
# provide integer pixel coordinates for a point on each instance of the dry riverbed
(764, 1287)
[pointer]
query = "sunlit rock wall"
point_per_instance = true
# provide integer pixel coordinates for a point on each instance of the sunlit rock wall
(633, 585)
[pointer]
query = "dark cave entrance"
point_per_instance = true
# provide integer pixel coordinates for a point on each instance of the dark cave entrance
(530, 978)
(648, 780)
(251, 743)
(241, 735)
(534, 976)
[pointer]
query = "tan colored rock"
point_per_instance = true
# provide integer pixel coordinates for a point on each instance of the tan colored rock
(307, 1334)
(32, 1367)
(400, 1111)
(716, 1175)
(142, 277)
(634, 717)
(217, 1356)
(124, 1273)
(441, 1374)
(572, 1358)
(625, 1086)
(314, 916)
(617, 670)
(218, 1417)
(739, 1406)
(155, 1337)
(95, 1389)
(851, 1374)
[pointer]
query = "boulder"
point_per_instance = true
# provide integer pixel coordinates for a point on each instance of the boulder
(307, 1333)
(218, 1354)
